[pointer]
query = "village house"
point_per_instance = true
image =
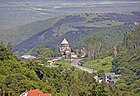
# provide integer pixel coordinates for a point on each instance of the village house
(73, 55)
(65, 48)
(137, 23)
(35, 92)
(111, 78)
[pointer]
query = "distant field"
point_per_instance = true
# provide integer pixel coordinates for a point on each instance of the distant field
(107, 23)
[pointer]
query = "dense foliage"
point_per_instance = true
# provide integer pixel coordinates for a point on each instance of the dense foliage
(16, 76)
(127, 63)
(93, 46)
(43, 54)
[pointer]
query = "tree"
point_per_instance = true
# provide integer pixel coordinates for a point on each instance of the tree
(44, 54)
(9, 46)
(93, 46)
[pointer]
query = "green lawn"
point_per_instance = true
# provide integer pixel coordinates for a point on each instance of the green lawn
(100, 64)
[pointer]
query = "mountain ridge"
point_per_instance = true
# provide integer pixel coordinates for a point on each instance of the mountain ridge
(75, 28)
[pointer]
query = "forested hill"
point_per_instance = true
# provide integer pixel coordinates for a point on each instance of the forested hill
(16, 76)
(127, 63)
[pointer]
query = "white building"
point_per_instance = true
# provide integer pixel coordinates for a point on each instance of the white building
(27, 57)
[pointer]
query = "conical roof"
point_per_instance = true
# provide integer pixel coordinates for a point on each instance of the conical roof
(64, 41)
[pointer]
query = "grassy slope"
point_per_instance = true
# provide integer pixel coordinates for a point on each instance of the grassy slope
(97, 64)
(114, 30)
(19, 34)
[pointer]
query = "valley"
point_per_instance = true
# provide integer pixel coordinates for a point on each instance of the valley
(16, 13)
(69, 48)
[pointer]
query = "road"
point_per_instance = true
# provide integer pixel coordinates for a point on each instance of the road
(74, 63)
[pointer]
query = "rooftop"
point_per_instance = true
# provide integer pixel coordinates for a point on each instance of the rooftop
(28, 57)
(106, 74)
(64, 41)
(35, 92)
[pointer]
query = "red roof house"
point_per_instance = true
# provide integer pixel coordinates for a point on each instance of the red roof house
(35, 92)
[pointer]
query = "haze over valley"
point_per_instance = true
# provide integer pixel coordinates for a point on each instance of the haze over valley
(16, 13)
(22, 20)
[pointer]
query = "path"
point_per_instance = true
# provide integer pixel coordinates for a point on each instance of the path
(75, 63)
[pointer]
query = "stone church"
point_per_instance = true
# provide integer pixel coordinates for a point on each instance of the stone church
(65, 48)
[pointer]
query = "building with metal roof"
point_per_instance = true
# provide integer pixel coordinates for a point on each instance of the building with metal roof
(26, 57)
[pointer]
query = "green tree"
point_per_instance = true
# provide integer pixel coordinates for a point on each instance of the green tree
(93, 46)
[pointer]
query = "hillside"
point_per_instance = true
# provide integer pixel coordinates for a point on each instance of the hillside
(127, 63)
(76, 27)
(16, 76)
(21, 33)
